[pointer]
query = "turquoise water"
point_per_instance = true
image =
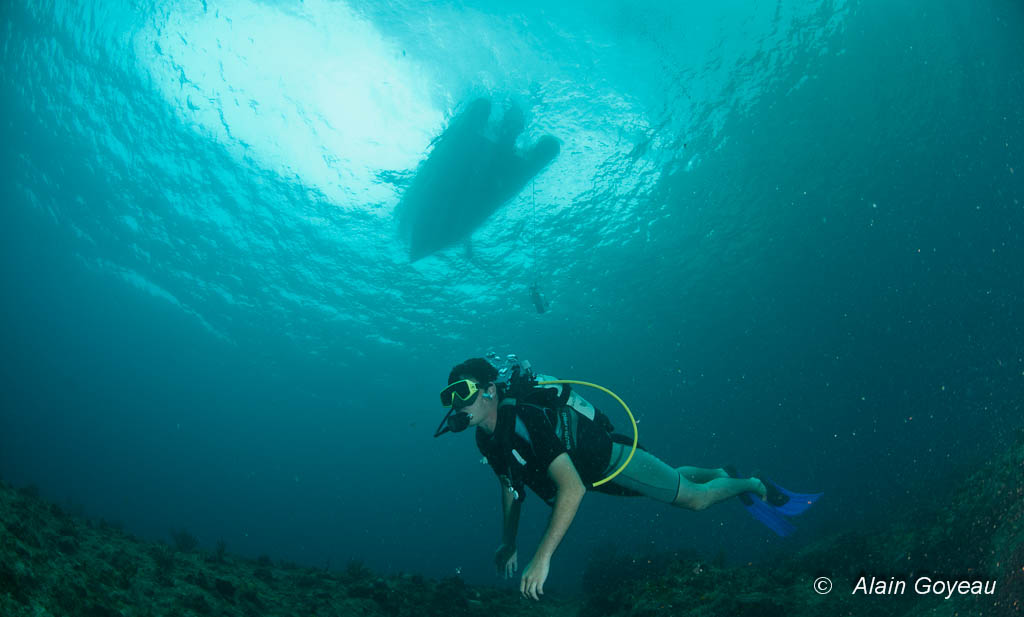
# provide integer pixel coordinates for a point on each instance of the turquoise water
(787, 233)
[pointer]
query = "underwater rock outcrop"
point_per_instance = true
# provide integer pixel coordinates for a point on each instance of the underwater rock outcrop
(52, 563)
(976, 535)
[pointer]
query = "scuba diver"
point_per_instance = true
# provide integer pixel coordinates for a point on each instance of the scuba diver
(555, 442)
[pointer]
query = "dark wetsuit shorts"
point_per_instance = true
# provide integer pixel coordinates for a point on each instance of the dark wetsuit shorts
(645, 474)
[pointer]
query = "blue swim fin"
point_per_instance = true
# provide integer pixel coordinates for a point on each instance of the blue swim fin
(769, 516)
(787, 502)
(779, 504)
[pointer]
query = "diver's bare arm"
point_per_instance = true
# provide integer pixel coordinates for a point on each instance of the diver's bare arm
(567, 502)
(510, 509)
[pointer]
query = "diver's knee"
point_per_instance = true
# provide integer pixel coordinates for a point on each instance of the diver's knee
(690, 504)
(692, 498)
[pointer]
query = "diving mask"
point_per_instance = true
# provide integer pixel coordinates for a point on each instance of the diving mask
(457, 396)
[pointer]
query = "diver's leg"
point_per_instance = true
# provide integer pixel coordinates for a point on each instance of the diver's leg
(694, 496)
(650, 476)
(700, 474)
(645, 474)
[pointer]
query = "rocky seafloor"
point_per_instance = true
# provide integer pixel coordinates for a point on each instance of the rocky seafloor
(53, 563)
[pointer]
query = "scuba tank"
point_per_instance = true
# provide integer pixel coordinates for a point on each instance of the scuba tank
(517, 381)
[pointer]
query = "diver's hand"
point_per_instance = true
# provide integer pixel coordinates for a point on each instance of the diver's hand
(505, 558)
(532, 585)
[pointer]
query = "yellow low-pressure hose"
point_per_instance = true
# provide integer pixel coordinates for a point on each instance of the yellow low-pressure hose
(636, 433)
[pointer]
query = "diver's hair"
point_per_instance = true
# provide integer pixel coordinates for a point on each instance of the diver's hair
(477, 369)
